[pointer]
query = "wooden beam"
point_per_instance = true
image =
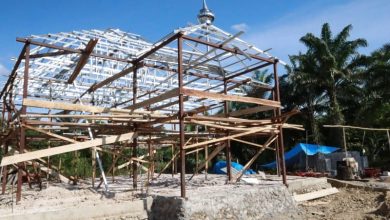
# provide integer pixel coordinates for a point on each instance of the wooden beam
(66, 148)
(252, 131)
(168, 164)
(227, 127)
(49, 133)
(248, 111)
(167, 95)
(250, 162)
(168, 104)
(81, 108)
(234, 98)
(83, 59)
(355, 127)
(315, 194)
(209, 158)
(252, 144)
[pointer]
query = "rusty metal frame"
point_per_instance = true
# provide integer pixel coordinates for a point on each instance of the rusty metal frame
(197, 68)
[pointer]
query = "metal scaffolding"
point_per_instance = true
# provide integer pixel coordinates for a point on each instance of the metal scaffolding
(116, 88)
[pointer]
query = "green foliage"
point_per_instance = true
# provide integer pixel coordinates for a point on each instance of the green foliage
(331, 83)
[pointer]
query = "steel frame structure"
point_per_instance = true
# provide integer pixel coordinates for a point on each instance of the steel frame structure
(116, 87)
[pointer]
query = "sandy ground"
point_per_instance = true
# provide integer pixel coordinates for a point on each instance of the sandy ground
(59, 196)
(349, 204)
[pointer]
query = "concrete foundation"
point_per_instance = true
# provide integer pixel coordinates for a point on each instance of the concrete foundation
(238, 202)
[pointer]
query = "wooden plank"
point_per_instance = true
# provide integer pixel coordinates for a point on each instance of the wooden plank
(355, 127)
(97, 117)
(234, 98)
(66, 148)
(209, 158)
(50, 134)
(252, 144)
(81, 108)
(315, 194)
(230, 119)
(219, 126)
(168, 104)
(170, 94)
(251, 161)
(252, 131)
(83, 59)
(248, 111)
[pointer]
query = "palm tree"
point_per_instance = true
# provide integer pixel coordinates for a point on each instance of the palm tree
(375, 80)
(332, 63)
(299, 88)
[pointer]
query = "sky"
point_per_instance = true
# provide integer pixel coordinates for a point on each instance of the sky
(277, 24)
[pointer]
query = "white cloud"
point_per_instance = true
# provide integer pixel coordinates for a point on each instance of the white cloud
(240, 27)
(3, 70)
(369, 19)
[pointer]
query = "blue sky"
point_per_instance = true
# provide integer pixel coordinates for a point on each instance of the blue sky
(268, 24)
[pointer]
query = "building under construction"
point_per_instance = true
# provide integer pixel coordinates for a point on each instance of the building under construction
(108, 90)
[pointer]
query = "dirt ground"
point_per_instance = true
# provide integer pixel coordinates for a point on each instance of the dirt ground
(349, 203)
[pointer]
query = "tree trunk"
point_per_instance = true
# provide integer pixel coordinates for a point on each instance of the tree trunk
(336, 118)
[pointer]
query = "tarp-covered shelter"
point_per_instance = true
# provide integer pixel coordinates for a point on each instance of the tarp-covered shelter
(297, 155)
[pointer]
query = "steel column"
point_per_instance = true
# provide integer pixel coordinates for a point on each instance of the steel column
(22, 140)
(278, 114)
(181, 116)
(228, 154)
(5, 169)
(135, 140)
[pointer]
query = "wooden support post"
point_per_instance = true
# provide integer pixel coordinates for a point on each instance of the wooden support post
(278, 114)
(113, 168)
(22, 141)
(173, 163)
(93, 155)
(345, 143)
(181, 116)
(135, 140)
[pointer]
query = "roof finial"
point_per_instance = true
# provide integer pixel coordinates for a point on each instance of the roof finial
(205, 15)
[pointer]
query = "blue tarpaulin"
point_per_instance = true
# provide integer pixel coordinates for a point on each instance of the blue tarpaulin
(220, 167)
(309, 149)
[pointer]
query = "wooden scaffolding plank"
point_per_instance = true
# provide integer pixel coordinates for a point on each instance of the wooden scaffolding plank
(315, 194)
(170, 94)
(78, 107)
(234, 98)
(247, 111)
(66, 148)
(50, 134)
(252, 131)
